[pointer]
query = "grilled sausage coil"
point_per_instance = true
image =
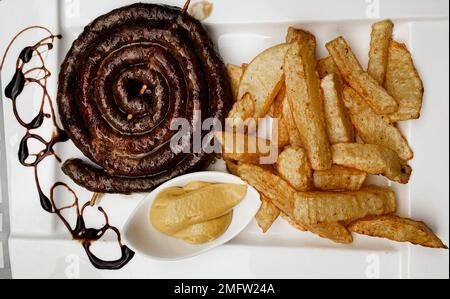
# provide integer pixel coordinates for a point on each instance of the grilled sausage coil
(125, 79)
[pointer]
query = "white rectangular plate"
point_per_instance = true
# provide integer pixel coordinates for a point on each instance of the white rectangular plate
(40, 246)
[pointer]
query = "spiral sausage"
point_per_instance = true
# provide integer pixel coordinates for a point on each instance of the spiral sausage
(122, 127)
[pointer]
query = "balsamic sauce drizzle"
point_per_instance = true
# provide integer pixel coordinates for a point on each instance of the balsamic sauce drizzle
(39, 76)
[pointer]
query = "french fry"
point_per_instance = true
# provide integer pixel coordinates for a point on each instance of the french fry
(272, 187)
(234, 73)
(263, 79)
(353, 73)
(397, 229)
(306, 102)
(373, 159)
(373, 128)
(293, 166)
(339, 178)
(319, 207)
(243, 109)
(326, 66)
(335, 232)
(243, 148)
(276, 112)
(267, 214)
(379, 49)
(403, 83)
(294, 133)
(301, 36)
(339, 125)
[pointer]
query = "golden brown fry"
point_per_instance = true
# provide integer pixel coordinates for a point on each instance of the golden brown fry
(326, 66)
(306, 102)
(339, 125)
(276, 112)
(234, 73)
(373, 159)
(353, 73)
(403, 83)
(267, 214)
(373, 128)
(397, 229)
(339, 178)
(293, 166)
(294, 133)
(263, 79)
(243, 148)
(267, 183)
(319, 207)
(301, 36)
(243, 108)
(335, 232)
(379, 49)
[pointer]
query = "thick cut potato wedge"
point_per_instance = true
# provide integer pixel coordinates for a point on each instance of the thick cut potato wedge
(276, 112)
(335, 232)
(373, 159)
(379, 49)
(293, 166)
(353, 73)
(267, 214)
(403, 83)
(263, 179)
(397, 229)
(306, 102)
(243, 109)
(234, 74)
(326, 66)
(319, 207)
(339, 178)
(339, 125)
(263, 79)
(243, 148)
(294, 134)
(301, 36)
(373, 128)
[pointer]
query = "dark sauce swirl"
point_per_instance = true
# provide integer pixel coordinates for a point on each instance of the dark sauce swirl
(125, 79)
(39, 76)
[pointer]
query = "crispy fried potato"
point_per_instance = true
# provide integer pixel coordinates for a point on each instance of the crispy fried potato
(353, 73)
(379, 49)
(294, 133)
(319, 207)
(234, 73)
(397, 229)
(301, 36)
(339, 178)
(263, 179)
(339, 125)
(293, 166)
(243, 109)
(326, 66)
(243, 148)
(373, 128)
(276, 112)
(292, 223)
(306, 102)
(403, 83)
(373, 159)
(335, 232)
(263, 79)
(267, 214)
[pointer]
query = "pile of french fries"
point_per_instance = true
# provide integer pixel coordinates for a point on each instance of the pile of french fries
(337, 125)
